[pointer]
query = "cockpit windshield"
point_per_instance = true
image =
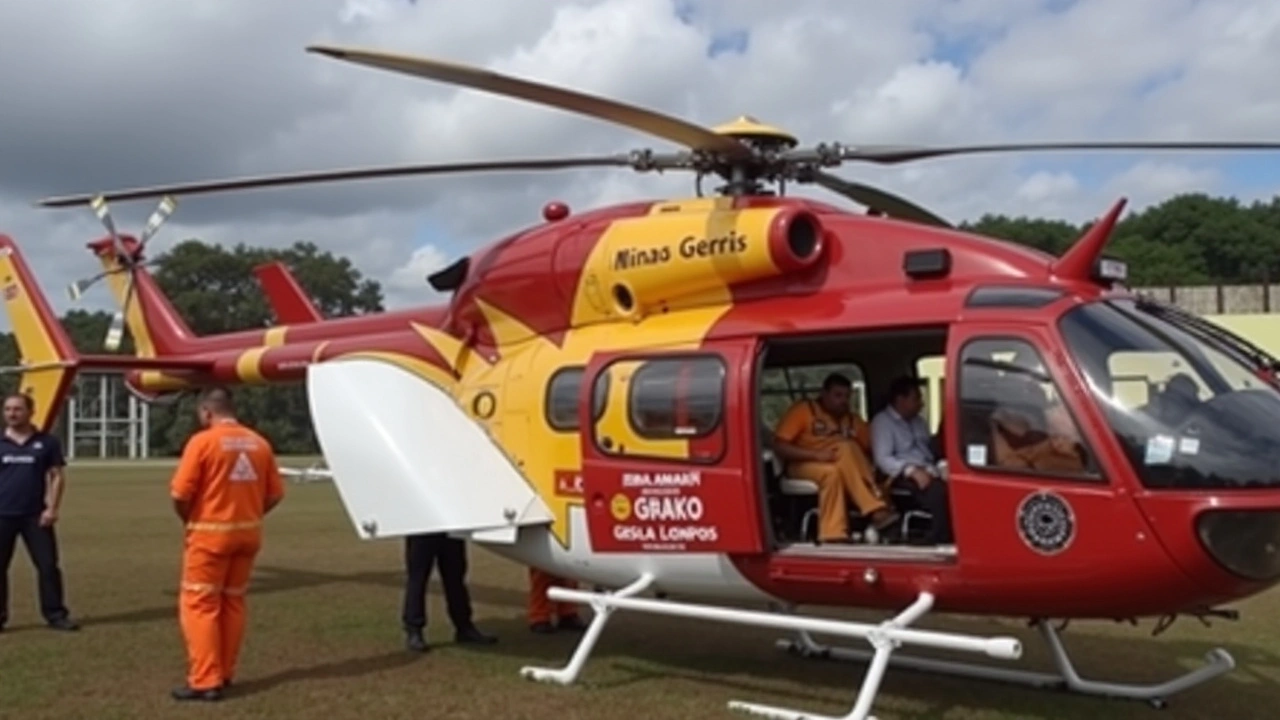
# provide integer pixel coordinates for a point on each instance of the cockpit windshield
(1188, 414)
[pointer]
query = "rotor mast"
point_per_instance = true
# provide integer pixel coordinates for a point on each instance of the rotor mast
(744, 176)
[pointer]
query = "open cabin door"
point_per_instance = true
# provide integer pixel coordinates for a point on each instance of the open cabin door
(406, 459)
(666, 443)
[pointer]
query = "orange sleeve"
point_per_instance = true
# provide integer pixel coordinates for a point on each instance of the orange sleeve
(275, 488)
(190, 471)
(793, 423)
(862, 431)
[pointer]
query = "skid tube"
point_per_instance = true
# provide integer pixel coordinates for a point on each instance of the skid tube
(884, 638)
(1218, 661)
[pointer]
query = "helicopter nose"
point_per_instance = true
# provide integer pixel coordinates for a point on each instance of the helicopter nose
(1244, 542)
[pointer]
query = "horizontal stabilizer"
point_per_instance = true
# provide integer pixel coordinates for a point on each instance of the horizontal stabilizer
(407, 460)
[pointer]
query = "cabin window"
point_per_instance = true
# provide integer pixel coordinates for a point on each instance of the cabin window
(563, 390)
(677, 397)
(782, 387)
(1013, 417)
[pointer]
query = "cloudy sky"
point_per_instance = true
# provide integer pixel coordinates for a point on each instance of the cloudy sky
(101, 95)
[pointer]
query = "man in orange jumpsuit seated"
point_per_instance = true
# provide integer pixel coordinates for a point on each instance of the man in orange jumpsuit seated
(541, 608)
(226, 482)
(824, 441)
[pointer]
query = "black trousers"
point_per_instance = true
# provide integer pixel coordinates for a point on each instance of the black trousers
(935, 501)
(42, 548)
(421, 553)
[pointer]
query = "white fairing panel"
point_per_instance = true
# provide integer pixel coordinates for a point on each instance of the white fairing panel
(407, 460)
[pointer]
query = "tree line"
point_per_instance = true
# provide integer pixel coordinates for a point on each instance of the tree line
(1190, 239)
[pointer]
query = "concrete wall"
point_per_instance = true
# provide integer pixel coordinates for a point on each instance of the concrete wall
(1219, 299)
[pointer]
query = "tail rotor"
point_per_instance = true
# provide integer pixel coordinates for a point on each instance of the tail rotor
(128, 253)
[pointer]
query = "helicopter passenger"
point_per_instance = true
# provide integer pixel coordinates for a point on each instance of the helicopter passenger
(901, 447)
(1175, 402)
(1028, 430)
(826, 442)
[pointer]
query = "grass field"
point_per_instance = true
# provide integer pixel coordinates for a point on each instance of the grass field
(324, 639)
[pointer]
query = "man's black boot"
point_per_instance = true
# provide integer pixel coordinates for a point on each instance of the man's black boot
(473, 636)
(414, 642)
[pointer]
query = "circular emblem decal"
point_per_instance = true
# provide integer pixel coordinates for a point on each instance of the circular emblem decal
(1045, 523)
(620, 506)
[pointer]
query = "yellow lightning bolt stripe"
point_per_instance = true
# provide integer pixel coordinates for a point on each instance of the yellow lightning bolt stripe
(447, 346)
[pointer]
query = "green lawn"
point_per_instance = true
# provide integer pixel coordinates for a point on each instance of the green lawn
(324, 639)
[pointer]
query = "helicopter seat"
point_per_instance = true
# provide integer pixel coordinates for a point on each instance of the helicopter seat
(799, 499)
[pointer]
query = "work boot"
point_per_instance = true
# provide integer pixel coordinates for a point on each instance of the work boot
(414, 642)
(473, 636)
(66, 624)
(187, 692)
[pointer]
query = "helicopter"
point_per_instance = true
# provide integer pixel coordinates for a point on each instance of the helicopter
(591, 399)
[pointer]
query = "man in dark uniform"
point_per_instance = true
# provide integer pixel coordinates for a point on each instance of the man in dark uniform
(421, 552)
(31, 483)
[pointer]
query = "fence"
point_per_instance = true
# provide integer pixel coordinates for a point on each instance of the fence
(1219, 299)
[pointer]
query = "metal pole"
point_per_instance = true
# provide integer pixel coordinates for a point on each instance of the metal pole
(146, 430)
(102, 416)
(133, 426)
(72, 403)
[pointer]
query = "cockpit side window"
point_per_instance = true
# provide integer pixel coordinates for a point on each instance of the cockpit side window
(1187, 414)
(1013, 417)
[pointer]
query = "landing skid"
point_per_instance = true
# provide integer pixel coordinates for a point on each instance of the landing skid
(1218, 661)
(885, 637)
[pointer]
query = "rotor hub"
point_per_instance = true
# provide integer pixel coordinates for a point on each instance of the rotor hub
(757, 134)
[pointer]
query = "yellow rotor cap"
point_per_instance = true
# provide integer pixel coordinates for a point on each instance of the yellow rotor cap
(748, 128)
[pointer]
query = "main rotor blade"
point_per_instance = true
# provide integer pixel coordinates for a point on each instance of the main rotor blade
(337, 175)
(670, 128)
(890, 154)
(876, 199)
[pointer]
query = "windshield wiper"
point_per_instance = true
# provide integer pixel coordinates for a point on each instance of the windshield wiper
(1211, 332)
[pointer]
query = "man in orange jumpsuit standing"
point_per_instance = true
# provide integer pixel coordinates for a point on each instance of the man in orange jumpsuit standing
(541, 608)
(226, 482)
(826, 442)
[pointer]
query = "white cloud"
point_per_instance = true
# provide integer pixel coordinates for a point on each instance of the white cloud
(146, 92)
(407, 281)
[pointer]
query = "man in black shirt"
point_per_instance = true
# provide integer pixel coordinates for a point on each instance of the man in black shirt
(31, 483)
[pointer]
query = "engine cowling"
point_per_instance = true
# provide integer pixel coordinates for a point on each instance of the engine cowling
(655, 261)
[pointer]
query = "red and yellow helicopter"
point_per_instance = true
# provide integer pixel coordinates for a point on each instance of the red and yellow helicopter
(595, 397)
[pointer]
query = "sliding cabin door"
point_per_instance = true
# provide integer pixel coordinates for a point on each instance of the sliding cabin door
(666, 453)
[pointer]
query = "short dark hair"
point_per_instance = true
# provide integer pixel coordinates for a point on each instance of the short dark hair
(836, 380)
(902, 386)
(26, 399)
(217, 399)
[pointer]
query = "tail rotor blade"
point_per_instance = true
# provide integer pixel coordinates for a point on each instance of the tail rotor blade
(162, 212)
(115, 332)
(99, 206)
